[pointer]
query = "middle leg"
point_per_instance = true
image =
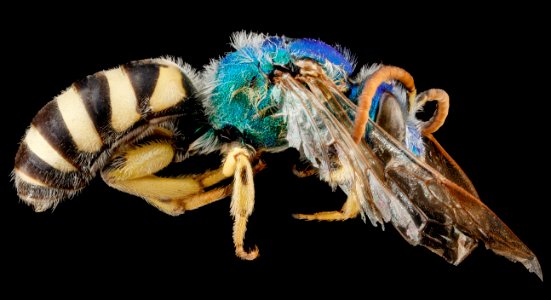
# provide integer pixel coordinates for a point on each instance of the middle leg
(238, 164)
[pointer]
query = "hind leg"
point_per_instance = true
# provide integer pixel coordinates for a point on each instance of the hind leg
(131, 171)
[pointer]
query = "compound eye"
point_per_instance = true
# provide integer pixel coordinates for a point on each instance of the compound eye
(390, 117)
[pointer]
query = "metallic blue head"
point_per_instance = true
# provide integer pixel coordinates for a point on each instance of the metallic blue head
(242, 89)
(320, 52)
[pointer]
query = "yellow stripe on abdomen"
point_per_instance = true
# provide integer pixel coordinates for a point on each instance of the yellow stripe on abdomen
(169, 89)
(124, 105)
(27, 178)
(78, 122)
(41, 148)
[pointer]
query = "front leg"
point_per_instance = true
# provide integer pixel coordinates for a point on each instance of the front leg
(349, 210)
(238, 164)
(303, 169)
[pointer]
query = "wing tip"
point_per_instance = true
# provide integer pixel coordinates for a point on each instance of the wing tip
(533, 265)
(527, 258)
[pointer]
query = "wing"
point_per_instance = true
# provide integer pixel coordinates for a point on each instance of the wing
(318, 133)
(454, 219)
(437, 158)
(430, 201)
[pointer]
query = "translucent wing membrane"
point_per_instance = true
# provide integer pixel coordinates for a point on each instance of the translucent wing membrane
(453, 218)
(325, 141)
(429, 200)
(441, 161)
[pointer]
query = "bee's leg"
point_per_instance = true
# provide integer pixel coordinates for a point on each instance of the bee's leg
(349, 210)
(238, 164)
(132, 170)
(304, 169)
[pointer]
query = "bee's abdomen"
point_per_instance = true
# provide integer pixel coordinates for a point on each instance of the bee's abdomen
(72, 136)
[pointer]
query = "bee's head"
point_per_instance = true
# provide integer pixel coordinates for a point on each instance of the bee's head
(243, 85)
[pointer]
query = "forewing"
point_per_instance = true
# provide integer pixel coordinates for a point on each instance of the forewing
(441, 161)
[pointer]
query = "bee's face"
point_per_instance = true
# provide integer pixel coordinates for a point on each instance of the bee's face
(245, 89)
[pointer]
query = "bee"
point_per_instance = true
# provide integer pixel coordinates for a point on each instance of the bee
(356, 131)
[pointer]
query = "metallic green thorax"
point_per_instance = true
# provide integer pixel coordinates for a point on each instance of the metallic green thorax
(244, 96)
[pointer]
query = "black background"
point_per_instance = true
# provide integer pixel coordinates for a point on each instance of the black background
(486, 60)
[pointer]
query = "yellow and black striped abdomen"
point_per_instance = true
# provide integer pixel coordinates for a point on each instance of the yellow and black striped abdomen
(72, 136)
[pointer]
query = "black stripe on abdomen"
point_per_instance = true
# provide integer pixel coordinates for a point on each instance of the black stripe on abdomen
(49, 122)
(29, 163)
(143, 77)
(94, 91)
